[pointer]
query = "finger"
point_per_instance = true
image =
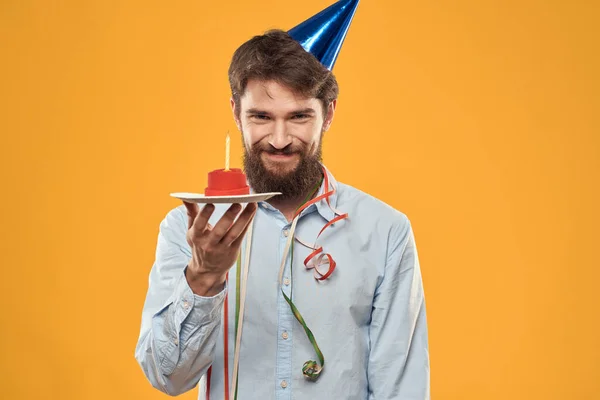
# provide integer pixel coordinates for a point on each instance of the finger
(240, 225)
(201, 221)
(192, 211)
(238, 241)
(221, 227)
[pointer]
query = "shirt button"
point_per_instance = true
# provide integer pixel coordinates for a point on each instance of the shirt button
(286, 232)
(186, 304)
(286, 281)
(284, 335)
(283, 384)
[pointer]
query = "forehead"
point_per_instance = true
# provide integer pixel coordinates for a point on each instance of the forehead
(271, 95)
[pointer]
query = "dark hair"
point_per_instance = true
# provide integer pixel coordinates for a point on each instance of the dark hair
(276, 56)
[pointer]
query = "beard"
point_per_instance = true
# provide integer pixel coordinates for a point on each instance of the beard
(292, 184)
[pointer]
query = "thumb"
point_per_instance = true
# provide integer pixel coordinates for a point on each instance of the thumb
(192, 211)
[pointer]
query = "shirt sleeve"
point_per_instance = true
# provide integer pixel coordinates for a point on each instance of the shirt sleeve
(179, 329)
(399, 356)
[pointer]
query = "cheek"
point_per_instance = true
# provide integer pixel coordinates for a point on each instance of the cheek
(308, 133)
(254, 133)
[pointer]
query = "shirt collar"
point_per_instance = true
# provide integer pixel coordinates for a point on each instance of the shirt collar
(322, 207)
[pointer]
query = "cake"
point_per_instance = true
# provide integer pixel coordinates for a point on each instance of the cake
(223, 182)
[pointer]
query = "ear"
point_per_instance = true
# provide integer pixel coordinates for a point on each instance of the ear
(329, 117)
(235, 118)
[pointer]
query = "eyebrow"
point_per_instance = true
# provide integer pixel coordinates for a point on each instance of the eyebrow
(295, 112)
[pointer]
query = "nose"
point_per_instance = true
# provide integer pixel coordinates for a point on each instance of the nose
(279, 138)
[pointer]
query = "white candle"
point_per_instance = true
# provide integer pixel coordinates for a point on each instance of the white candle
(227, 152)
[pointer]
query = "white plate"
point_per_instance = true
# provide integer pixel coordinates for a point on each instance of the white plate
(202, 199)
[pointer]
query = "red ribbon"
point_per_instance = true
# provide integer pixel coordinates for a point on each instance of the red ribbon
(323, 258)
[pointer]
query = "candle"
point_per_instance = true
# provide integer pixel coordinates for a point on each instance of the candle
(227, 152)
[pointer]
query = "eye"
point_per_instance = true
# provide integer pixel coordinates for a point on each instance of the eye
(300, 116)
(260, 116)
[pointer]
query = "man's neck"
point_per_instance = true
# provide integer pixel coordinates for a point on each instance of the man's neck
(288, 207)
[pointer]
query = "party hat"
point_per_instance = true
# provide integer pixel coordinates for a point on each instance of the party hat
(323, 34)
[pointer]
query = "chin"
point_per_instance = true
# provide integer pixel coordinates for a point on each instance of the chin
(280, 169)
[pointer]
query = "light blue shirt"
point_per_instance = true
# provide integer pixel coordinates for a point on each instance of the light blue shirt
(368, 317)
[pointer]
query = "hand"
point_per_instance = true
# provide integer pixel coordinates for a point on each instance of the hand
(214, 249)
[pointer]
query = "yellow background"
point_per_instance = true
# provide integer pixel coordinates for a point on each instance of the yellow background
(478, 119)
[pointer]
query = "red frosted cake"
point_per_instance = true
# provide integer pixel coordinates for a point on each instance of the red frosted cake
(226, 183)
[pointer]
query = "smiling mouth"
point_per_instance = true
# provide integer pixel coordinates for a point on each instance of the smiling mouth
(280, 156)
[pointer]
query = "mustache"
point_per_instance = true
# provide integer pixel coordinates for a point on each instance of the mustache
(286, 151)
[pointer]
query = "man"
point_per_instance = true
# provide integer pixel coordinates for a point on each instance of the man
(364, 305)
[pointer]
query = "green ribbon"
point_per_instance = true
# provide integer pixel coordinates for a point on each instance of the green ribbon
(310, 369)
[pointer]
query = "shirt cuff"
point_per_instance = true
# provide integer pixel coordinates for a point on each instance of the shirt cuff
(190, 307)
